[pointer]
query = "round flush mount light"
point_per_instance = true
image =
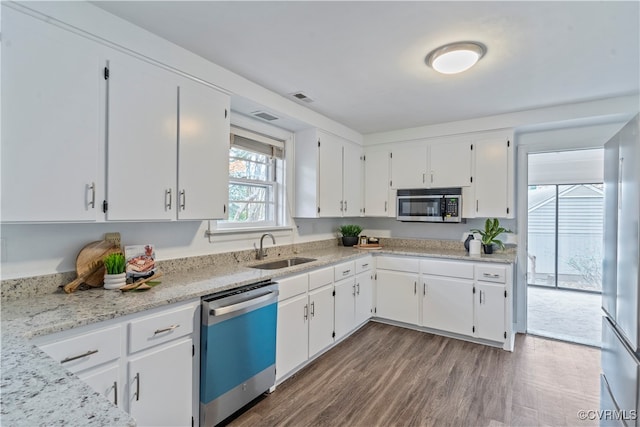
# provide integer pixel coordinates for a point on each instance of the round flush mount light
(455, 57)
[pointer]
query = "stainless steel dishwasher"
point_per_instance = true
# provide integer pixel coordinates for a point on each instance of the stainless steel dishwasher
(238, 349)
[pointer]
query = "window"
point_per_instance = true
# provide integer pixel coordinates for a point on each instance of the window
(255, 181)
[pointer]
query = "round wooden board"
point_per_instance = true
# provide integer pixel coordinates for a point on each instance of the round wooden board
(91, 254)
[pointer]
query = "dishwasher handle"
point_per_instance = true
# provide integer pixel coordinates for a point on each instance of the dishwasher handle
(254, 300)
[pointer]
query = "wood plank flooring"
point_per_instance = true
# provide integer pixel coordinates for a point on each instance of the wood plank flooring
(389, 376)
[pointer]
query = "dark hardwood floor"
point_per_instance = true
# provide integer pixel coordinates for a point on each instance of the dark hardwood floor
(389, 376)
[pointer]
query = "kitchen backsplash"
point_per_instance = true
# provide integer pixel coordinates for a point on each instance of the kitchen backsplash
(33, 286)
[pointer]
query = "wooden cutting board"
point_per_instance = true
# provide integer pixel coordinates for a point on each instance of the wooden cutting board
(91, 254)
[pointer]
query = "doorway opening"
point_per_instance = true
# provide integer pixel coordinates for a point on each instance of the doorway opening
(564, 235)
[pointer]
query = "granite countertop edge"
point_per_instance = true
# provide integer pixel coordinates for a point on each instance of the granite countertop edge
(30, 376)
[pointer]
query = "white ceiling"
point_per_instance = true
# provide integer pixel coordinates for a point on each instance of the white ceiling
(363, 62)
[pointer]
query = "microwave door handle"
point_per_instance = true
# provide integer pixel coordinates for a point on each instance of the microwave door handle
(443, 207)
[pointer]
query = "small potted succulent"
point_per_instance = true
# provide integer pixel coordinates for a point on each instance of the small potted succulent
(492, 230)
(350, 234)
(115, 276)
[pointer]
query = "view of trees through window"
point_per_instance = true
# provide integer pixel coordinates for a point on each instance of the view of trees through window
(565, 236)
(252, 187)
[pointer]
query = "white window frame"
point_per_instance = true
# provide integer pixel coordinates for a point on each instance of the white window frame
(277, 185)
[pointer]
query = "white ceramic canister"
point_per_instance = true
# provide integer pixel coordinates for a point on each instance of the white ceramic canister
(475, 246)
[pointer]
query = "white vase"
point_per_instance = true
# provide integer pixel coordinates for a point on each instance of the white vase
(115, 281)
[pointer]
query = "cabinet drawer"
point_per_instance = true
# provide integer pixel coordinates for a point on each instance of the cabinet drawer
(344, 270)
(320, 278)
(410, 265)
(292, 286)
(160, 328)
(436, 267)
(363, 264)
(491, 273)
(87, 350)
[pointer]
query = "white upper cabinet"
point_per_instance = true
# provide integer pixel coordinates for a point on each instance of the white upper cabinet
(203, 152)
(141, 154)
(52, 137)
(168, 145)
(450, 164)
(438, 163)
(492, 191)
(328, 176)
(409, 166)
(378, 196)
(352, 179)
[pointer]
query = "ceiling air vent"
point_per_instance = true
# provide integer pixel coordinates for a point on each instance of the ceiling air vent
(265, 116)
(302, 97)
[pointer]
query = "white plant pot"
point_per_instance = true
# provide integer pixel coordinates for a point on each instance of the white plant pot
(115, 281)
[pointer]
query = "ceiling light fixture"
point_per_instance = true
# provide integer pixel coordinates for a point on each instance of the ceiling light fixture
(455, 57)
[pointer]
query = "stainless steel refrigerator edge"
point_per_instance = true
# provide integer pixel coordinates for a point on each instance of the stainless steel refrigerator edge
(620, 379)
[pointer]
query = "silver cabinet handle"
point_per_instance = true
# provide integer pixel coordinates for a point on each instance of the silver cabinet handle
(358, 288)
(345, 272)
(385, 206)
(477, 206)
(415, 288)
(80, 356)
(424, 289)
(183, 198)
(341, 205)
(92, 203)
(424, 175)
(494, 276)
(115, 393)
(481, 297)
(170, 328)
(137, 393)
(432, 177)
(354, 290)
(306, 311)
(345, 206)
(313, 308)
(167, 194)
(365, 265)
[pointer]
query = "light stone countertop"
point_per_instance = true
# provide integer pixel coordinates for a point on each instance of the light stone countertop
(36, 390)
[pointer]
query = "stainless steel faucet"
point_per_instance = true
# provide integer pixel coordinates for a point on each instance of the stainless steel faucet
(260, 253)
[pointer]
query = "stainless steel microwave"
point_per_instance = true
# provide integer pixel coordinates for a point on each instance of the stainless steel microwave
(430, 205)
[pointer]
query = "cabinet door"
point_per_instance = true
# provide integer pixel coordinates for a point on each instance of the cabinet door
(330, 176)
(293, 334)
(364, 297)
(105, 381)
(447, 304)
(490, 311)
(159, 383)
(203, 152)
(491, 179)
(345, 306)
(320, 319)
(52, 97)
(142, 154)
(450, 164)
(409, 167)
(397, 296)
(376, 184)
(352, 180)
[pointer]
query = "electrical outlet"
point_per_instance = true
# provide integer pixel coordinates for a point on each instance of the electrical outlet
(113, 238)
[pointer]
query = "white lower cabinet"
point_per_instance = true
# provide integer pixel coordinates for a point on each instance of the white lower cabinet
(292, 346)
(397, 296)
(345, 319)
(159, 383)
(106, 381)
(458, 297)
(321, 310)
(144, 363)
(364, 297)
(447, 304)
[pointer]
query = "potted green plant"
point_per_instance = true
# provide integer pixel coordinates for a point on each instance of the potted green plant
(492, 230)
(114, 275)
(350, 234)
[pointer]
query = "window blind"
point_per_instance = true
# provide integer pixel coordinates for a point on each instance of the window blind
(257, 143)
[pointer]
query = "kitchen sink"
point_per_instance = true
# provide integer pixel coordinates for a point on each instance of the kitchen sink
(282, 263)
